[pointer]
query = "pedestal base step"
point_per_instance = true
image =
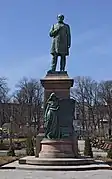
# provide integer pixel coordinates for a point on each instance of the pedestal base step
(97, 166)
(31, 160)
(55, 155)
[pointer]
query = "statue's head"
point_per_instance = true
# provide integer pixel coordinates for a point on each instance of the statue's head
(53, 97)
(60, 18)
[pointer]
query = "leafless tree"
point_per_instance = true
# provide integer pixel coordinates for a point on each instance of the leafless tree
(4, 90)
(4, 98)
(86, 94)
(105, 95)
(29, 95)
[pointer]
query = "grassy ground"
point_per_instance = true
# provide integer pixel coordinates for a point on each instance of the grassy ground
(7, 159)
(105, 159)
(18, 143)
(6, 141)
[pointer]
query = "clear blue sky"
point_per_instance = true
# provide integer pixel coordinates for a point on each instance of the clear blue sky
(25, 44)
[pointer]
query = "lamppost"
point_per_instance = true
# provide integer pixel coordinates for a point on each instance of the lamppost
(33, 122)
(1, 135)
(109, 105)
(27, 125)
(11, 122)
(29, 148)
(11, 148)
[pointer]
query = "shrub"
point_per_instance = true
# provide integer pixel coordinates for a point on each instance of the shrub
(11, 151)
(110, 139)
(29, 147)
(4, 146)
(17, 145)
(109, 154)
(88, 148)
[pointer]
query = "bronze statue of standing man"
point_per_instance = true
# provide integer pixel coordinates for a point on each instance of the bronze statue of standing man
(61, 43)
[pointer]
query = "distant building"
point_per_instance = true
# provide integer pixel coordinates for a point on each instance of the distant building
(21, 115)
(94, 121)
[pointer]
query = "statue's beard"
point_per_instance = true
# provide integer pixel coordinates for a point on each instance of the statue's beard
(61, 22)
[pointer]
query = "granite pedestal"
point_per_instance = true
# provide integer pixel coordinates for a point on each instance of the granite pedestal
(57, 82)
(60, 84)
(56, 149)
